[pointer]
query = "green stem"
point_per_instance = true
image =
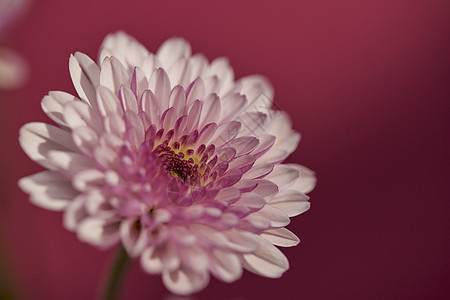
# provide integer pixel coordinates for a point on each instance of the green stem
(112, 288)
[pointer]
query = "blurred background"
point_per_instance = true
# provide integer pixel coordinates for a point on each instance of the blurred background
(367, 84)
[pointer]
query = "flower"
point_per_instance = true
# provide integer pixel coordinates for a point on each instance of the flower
(13, 67)
(170, 156)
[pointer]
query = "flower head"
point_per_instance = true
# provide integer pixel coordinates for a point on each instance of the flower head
(167, 154)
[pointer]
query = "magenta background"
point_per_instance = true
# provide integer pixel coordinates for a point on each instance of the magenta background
(367, 85)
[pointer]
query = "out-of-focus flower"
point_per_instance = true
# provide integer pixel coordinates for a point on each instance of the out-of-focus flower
(167, 154)
(13, 68)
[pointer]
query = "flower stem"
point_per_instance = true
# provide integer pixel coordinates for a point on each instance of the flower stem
(112, 288)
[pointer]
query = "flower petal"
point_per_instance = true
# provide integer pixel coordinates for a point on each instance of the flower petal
(292, 202)
(172, 50)
(85, 76)
(232, 106)
(306, 180)
(159, 84)
(210, 110)
(281, 237)
(133, 238)
(185, 282)
(39, 139)
(225, 266)
(266, 261)
(125, 48)
(283, 176)
(113, 74)
(276, 216)
(53, 105)
(99, 232)
(49, 190)
(155, 259)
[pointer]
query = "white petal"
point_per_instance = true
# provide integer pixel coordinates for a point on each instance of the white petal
(85, 76)
(251, 201)
(193, 116)
(150, 105)
(280, 125)
(184, 282)
(281, 237)
(226, 132)
(180, 72)
(276, 216)
(124, 47)
(113, 74)
(283, 176)
(244, 144)
(107, 102)
(135, 131)
(210, 110)
(78, 114)
(70, 162)
(49, 190)
(139, 82)
(258, 171)
(226, 266)
(38, 139)
(306, 180)
(232, 106)
(198, 64)
(253, 123)
(195, 91)
(194, 258)
(86, 139)
(172, 50)
(209, 235)
(168, 119)
(266, 189)
(115, 124)
(221, 68)
(53, 105)
(241, 241)
(99, 232)
(74, 213)
(292, 202)
(150, 64)
(207, 132)
(155, 259)
(134, 240)
(159, 84)
(89, 179)
(128, 100)
(258, 90)
(178, 99)
(266, 261)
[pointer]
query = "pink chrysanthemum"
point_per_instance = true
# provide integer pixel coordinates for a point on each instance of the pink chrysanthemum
(170, 156)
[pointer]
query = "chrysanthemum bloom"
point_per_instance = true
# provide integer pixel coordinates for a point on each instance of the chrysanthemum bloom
(170, 156)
